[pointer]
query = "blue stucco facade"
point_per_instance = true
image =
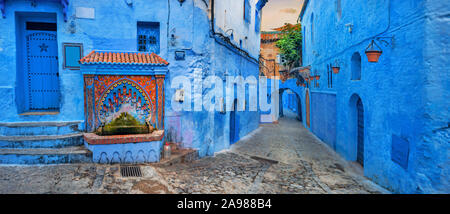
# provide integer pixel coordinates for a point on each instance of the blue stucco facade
(404, 96)
(102, 25)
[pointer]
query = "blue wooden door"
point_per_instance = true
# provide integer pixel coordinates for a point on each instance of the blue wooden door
(360, 128)
(42, 71)
(234, 124)
(299, 108)
(280, 104)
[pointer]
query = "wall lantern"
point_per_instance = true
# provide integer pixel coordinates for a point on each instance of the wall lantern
(181, 2)
(373, 54)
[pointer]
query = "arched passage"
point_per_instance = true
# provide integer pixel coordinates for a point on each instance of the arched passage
(291, 101)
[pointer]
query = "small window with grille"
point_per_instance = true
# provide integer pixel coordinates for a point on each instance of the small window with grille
(148, 37)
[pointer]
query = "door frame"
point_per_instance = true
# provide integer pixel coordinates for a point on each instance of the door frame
(22, 95)
(308, 109)
(360, 145)
(299, 107)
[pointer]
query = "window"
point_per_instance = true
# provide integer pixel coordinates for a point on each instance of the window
(330, 75)
(148, 37)
(312, 28)
(356, 66)
(72, 53)
(303, 41)
(338, 9)
(247, 10)
(257, 21)
(281, 59)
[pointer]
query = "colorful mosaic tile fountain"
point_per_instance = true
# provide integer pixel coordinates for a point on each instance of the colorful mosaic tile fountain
(124, 106)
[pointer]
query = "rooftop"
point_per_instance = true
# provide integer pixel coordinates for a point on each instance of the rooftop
(270, 36)
(132, 58)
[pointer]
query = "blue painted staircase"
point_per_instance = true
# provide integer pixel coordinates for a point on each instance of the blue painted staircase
(42, 143)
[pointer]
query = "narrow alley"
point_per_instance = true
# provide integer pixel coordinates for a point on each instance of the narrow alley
(275, 158)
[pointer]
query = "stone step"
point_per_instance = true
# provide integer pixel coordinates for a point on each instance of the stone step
(75, 154)
(41, 141)
(39, 128)
(179, 156)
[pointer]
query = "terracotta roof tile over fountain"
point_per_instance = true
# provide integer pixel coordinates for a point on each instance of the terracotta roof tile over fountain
(135, 58)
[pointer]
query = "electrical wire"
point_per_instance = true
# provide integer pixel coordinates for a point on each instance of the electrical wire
(220, 36)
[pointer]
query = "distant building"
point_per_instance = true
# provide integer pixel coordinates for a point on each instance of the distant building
(272, 61)
(270, 54)
(391, 114)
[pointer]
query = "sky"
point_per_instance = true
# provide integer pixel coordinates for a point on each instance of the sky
(278, 12)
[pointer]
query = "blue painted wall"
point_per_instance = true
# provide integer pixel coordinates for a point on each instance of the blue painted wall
(406, 94)
(183, 27)
(323, 117)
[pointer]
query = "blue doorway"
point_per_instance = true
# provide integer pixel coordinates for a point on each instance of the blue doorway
(360, 131)
(39, 65)
(234, 124)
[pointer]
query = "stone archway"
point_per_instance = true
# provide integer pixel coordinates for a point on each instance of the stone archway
(297, 103)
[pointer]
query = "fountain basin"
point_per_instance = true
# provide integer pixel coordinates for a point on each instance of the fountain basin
(131, 148)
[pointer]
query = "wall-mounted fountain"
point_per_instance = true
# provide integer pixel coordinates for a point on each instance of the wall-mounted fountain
(124, 106)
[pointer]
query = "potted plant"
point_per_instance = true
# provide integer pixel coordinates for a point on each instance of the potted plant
(373, 54)
(335, 69)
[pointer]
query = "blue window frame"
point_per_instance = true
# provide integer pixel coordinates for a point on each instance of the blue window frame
(247, 10)
(338, 9)
(356, 66)
(303, 41)
(312, 28)
(148, 37)
(257, 21)
(72, 54)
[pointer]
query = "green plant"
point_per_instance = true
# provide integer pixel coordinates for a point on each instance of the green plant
(290, 44)
(124, 124)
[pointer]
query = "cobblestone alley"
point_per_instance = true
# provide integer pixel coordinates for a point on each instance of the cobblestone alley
(287, 159)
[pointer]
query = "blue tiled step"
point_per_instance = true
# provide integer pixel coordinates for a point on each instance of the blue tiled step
(75, 154)
(39, 128)
(41, 141)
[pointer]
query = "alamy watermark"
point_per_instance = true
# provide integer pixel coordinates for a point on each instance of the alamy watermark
(231, 93)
